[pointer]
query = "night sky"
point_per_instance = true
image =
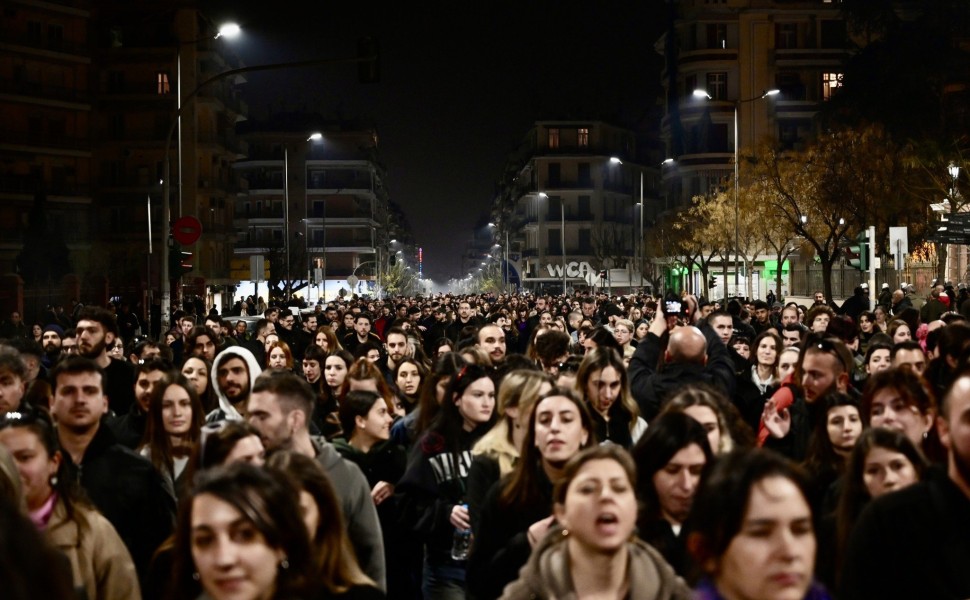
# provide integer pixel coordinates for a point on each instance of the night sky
(461, 84)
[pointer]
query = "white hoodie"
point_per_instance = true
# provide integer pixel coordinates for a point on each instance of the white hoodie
(226, 410)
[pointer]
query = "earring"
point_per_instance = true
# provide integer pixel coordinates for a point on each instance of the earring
(53, 480)
(195, 576)
(565, 533)
(284, 564)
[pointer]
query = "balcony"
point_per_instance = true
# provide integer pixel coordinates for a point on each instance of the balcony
(44, 91)
(12, 184)
(22, 38)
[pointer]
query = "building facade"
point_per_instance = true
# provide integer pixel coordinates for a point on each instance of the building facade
(337, 223)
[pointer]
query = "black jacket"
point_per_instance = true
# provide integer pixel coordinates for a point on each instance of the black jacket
(128, 492)
(651, 387)
(501, 547)
(925, 531)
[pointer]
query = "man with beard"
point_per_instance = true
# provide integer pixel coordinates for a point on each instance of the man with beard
(466, 318)
(233, 374)
(280, 408)
(924, 528)
(396, 348)
(123, 486)
(51, 341)
(96, 332)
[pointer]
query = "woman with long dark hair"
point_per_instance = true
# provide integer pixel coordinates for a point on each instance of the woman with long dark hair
(336, 572)
(603, 382)
(430, 399)
(671, 458)
(517, 512)
(175, 419)
(434, 486)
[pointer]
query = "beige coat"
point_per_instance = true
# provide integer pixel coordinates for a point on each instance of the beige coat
(99, 559)
(547, 577)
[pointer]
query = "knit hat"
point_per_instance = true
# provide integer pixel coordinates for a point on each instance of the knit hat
(56, 329)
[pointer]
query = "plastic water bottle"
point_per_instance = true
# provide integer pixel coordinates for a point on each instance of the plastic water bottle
(461, 543)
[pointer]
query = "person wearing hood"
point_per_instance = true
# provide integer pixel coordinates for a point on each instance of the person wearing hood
(233, 375)
(279, 408)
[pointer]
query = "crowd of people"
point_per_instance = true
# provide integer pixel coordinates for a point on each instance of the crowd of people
(491, 446)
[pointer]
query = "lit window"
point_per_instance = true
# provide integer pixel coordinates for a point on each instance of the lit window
(553, 137)
(583, 137)
(163, 83)
(830, 83)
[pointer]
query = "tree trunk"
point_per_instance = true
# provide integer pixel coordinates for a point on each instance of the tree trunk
(778, 275)
(942, 250)
(827, 263)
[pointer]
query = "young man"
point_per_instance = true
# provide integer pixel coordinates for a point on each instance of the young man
(360, 334)
(96, 332)
(129, 428)
(123, 486)
(233, 374)
(491, 339)
(13, 379)
(280, 408)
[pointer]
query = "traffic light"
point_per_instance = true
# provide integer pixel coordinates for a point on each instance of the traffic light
(712, 282)
(858, 253)
(179, 261)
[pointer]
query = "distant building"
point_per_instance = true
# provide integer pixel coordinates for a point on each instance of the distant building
(569, 207)
(338, 219)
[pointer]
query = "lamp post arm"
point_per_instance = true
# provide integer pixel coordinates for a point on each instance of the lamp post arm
(165, 284)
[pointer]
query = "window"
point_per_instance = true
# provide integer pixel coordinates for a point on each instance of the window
(717, 35)
(555, 208)
(163, 85)
(790, 84)
(585, 179)
(116, 81)
(830, 83)
(717, 85)
(585, 241)
(553, 137)
(585, 214)
(34, 32)
(582, 137)
(555, 174)
(786, 36)
(554, 240)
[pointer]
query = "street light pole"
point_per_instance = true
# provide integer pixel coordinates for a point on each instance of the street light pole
(562, 231)
(165, 284)
(737, 237)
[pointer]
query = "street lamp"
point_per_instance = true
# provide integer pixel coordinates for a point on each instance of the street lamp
(737, 237)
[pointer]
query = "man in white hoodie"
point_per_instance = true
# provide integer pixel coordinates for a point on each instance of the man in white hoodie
(233, 374)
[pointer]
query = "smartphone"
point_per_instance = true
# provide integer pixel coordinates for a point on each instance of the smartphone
(672, 308)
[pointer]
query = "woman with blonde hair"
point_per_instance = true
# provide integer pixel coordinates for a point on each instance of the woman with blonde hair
(497, 452)
(327, 339)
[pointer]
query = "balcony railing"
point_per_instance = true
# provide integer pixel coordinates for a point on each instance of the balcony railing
(42, 90)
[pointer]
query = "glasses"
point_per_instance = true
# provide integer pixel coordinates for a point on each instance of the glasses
(828, 346)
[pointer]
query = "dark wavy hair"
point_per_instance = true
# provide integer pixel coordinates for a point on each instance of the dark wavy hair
(268, 501)
(159, 442)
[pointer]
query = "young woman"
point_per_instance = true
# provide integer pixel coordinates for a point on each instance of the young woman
(327, 339)
(335, 367)
(764, 370)
(593, 552)
(196, 370)
(623, 332)
(227, 442)
(902, 400)
(279, 357)
(883, 461)
(433, 389)
(408, 375)
(175, 418)
(899, 331)
(498, 451)
(240, 535)
(366, 424)
(751, 530)
(603, 382)
(336, 572)
(433, 488)
(881, 319)
(787, 361)
(719, 418)
(516, 513)
(836, 431)
(867, 329)
(877, 358)
(101, 565)
(671, 458)
(641, 330)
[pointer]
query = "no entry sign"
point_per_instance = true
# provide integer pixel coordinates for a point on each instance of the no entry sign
(187, 230)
